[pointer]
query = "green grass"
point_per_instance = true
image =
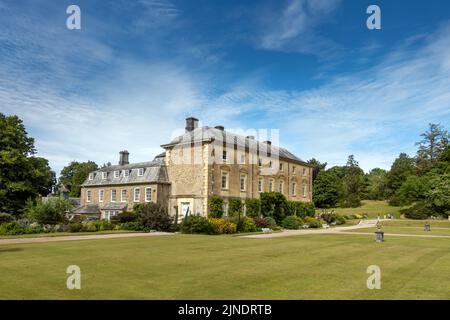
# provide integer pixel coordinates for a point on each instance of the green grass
(64, 234)
(226, 267)
(370, 207)
(409, 230)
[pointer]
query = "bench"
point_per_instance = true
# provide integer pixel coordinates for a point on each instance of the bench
(325, 226)
(266, 230)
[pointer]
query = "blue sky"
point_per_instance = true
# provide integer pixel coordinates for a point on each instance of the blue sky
(311, 69)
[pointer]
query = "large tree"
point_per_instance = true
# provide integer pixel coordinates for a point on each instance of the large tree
(22, 175)
(74, 174)
(327, 189)
(318, 166)
(352, 184)
(434, 141)
(376, 184)
(401, 169)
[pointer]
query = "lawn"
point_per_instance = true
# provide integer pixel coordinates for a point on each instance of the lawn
(370, 207)
(226, 267)
(65, 234)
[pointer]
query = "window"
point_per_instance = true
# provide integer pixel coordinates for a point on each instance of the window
(271, 185)
(224, 180)
(294, 186)
(140, 172)
(104, 175)
(243, 158)
(137, 194)
(304, 190)
(243, 181)
(91, 176)
(293, 169)
(126, 173)
(148, 194)
(259, 162)
(304, 171)
(88, 195)
(116, 174)
(224, 155)
(270, 164)
(123, 195)
(281, 167)
(260, 186)
(113, 195)
(281, 186)
(101, 195)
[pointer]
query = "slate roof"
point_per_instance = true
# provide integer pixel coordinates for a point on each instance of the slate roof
(88, 209)
(209, 134)
(154, 172)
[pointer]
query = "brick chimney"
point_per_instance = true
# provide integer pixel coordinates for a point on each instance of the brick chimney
(191, 124)
(123, 159)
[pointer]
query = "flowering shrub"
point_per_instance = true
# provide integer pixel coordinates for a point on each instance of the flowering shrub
(291, 222)
(313, 222)
(247, 225)
(261, 222)
(223, 226)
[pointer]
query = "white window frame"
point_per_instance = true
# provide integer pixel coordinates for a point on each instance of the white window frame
(101, 195)
(138, 193)
(294, 187)
(113, 192)
(260, 185)
(304, 190)
(227, 176)
(126, 173)
(281, 186)
(104, 175)
(91, 176)
(243, 182)
(88, 195)
(148, 190)
(271, 181)
(123, 195)
(224, 155)
(116, 174)
(140, 172)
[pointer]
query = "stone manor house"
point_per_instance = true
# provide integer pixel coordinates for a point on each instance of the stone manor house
(202, 162)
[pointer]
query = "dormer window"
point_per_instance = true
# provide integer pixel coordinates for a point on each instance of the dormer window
(126, 173)
(140, 172)
(91, 176)
(104, 175)
(116, 174)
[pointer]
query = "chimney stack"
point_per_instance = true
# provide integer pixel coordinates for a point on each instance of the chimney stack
(221, 128)
(123, 159)
(191, 124)
(268, 142)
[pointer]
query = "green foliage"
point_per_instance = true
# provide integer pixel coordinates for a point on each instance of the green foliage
(234, 206)
(51, 211)
(5, 218)
(271, 222)
(197, 224)
(273, 204)
(223, 226)
(318, 167)
(401, 169)
(132, 226)
(351, 184)
(435, 141)
(412, 190)
(438, 196)
(74, 175)
(76, 227)
(376, 188)
(313, 222)
(22, 175)
(99, 225)
(153, 216)
(291, 222)
(261, 222)
(418, 212)
(253, 207)
(300, 208)
(247, 225)
(124, 217)
(326, 189)
(215, 207)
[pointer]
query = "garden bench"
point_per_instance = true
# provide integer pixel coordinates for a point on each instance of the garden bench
(266, 230)
(305, 226)
(325, 226)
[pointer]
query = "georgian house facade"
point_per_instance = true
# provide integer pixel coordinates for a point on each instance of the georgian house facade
(203, 162)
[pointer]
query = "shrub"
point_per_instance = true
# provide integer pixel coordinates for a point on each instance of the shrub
(132, 226)
(6, 217)
(417, 212)
(11, 229)
(234, 206)
(291, 222)
(124, 217)
(313, 222)
(51, 211)
(75, 227)
(152, 216)
(271, 221)
(273, 204)
(197, 224)
(253, 207)
(223, 226)
(99, 225)
(247, 225)
(339, 220)
(215, 206)
(261, 222)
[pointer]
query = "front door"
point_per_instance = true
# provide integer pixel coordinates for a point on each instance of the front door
(186, 210)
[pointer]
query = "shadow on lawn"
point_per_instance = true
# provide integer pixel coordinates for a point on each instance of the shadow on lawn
(2, 250)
